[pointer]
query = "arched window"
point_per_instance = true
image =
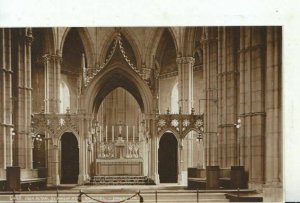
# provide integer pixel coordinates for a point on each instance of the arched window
(174, 99)
(64, 97)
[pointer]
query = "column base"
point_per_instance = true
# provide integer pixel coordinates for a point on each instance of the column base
(56, 180)
(256, 186)
(156, 178)
(53, 180)
(273, 193)
(182, 178)
(81, 179)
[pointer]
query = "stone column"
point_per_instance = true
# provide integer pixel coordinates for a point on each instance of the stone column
(227, 100)
(6, 125)
(23, 107)
(28, 99)
(52, 67)
(154, 144)
(252, 104)
(185, 83)
(54, 161)
(185, 89)
(210, 65)
(273, 170)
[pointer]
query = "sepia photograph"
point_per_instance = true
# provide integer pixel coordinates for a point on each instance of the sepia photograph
(191, 112)
(177, 113)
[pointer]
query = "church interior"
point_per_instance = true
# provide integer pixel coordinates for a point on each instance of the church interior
(199, 107)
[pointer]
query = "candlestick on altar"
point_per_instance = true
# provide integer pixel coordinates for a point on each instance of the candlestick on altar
(106, 133)
(133, 131)
(100, 133)
(126, 133)
(120, 130)
(112, 133)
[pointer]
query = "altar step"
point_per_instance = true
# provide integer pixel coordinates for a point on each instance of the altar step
(119, 180)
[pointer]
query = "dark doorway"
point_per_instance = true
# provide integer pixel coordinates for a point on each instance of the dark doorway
(39, 151)
(167, 158)
(69, 159)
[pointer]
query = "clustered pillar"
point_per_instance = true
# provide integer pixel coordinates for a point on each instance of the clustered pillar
(23, 100)
(273, 169)
(252, 103)
(6, 124)
(185, 89)
(210, 65)
(52, 67)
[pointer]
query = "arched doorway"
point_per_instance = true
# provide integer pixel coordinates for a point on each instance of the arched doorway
(69, 159)
(39, 151)
(168, 158)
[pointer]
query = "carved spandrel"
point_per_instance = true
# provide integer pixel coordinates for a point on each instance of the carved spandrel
(180, 123)
(54, 124)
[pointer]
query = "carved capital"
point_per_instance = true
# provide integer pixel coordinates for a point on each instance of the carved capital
(185, 60)
(52, 58)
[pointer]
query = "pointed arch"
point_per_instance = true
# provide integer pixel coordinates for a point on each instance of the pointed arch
(154, 43)
(189, 41)
(86, 41)
(48, 39)
(117, 74)
(125, 33)
(69, 130)
(169, 130)
(168, 154)
(69, 158)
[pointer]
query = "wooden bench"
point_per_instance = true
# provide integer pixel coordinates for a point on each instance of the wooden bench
(19, 179)
(224, 179)
(2, 184)
(33, 184)
(244, 197)
(214, 177)
(203, 178)
(197, 183)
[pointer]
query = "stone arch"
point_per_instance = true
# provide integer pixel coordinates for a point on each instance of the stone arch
(69, 162)
(189, 131)
(129, 38)
(189, 41)
(154, 43)
(169, 130)
(69, 130)
(49, 39)
(107, 80)
(41, 130)
(86, 41)
(168, 153)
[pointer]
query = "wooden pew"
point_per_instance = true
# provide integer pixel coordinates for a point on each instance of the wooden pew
(214, 177)
(224, 179)
(196, 179)
(17, 179)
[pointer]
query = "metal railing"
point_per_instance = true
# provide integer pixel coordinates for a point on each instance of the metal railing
(155, 195)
